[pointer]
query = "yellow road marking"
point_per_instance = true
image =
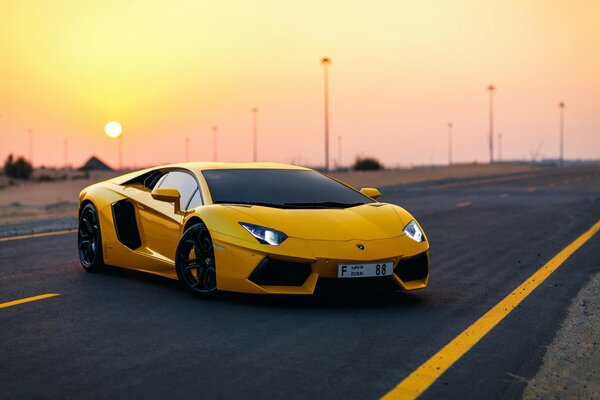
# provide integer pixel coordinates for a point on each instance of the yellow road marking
(34, 235)
(463, 204)
(27, 300)
(424, 376)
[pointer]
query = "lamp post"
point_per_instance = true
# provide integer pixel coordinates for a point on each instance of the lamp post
(120, 140)
(499, 147)
(113, 129)
(66, 153)
(187, 149)
(449, 143)
(254, 134)
(30, 133)
(561, 105)
(339, 151)
(326, 62)
(491, 89)
(214, 129)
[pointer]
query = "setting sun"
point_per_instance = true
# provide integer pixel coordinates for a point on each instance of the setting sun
(113, 129)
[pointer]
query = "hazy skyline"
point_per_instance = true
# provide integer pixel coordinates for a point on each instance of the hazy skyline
(400, 72)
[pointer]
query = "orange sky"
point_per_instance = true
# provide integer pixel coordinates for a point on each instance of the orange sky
(401, 71)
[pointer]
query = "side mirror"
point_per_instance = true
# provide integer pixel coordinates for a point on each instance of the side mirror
(371, 192)
(167, 195)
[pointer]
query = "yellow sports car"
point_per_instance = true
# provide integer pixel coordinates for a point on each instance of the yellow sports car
(250, 227)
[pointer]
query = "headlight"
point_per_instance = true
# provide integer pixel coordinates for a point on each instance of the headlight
(413, 231)
(265, 235)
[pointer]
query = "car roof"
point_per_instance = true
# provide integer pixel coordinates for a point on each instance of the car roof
(199, 166)
(203, 165)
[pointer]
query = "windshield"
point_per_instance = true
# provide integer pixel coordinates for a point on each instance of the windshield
(283, 188)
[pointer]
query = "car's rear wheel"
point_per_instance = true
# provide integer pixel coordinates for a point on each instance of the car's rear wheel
(89, 239)
(195, 261)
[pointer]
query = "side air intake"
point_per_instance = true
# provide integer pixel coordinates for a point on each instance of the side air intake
(413, 269)
(125, 224)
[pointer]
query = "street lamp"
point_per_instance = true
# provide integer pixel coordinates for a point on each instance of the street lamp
(326, 62)
(499, 147)
(30, 133)
(561, 105)
(254, 134)
(491, 89)
(187, 149)
(449, 143)
(214, 129)
(66, 153)
(339, 151)
(113, 129)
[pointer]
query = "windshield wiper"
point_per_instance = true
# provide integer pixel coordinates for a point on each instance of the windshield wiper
(250, 203)
(324, 204)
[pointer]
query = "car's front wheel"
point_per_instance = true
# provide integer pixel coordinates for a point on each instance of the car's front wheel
(89, 239)
(195, 261)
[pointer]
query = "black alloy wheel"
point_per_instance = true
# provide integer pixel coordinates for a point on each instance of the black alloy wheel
(89, 239)
(195, 261)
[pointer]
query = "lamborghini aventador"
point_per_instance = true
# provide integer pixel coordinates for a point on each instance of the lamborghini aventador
(250, 227)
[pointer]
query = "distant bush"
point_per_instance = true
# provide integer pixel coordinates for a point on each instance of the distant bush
(45, 178)
(85, 175)
(367, 164)
(19, 168)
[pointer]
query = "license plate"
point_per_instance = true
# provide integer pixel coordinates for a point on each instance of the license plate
(385, 268)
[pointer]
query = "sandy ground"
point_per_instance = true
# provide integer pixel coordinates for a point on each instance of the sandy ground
(39, 200)
(570, 369)
(36, 200)
(405, 176)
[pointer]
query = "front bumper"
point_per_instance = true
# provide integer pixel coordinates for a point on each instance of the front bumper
(297, 265)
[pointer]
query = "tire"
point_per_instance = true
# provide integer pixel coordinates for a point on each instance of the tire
(195, 262)
(89, 239)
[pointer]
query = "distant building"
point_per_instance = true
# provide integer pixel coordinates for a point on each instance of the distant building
(96, 164)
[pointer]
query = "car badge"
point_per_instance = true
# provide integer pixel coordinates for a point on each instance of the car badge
(360, 246)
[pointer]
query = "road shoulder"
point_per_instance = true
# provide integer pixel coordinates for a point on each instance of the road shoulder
(570, 365)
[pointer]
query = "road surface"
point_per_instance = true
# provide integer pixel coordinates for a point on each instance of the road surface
(124, 334)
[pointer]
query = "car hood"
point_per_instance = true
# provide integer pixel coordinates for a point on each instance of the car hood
(366, 222)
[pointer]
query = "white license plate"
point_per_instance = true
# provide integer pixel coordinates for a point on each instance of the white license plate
(385, 268)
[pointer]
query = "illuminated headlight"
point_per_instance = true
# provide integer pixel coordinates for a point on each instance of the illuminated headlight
(413, 231)
(265, 235)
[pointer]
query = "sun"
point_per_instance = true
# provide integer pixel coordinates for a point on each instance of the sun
(113, 129)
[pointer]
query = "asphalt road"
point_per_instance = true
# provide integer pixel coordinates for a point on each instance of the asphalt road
(124, 334)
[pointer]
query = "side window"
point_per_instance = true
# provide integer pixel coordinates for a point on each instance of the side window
(196, 200)
(182, 181)
(152, 179)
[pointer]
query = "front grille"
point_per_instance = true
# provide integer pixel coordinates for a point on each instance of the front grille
(413, 269)
(271, 272)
